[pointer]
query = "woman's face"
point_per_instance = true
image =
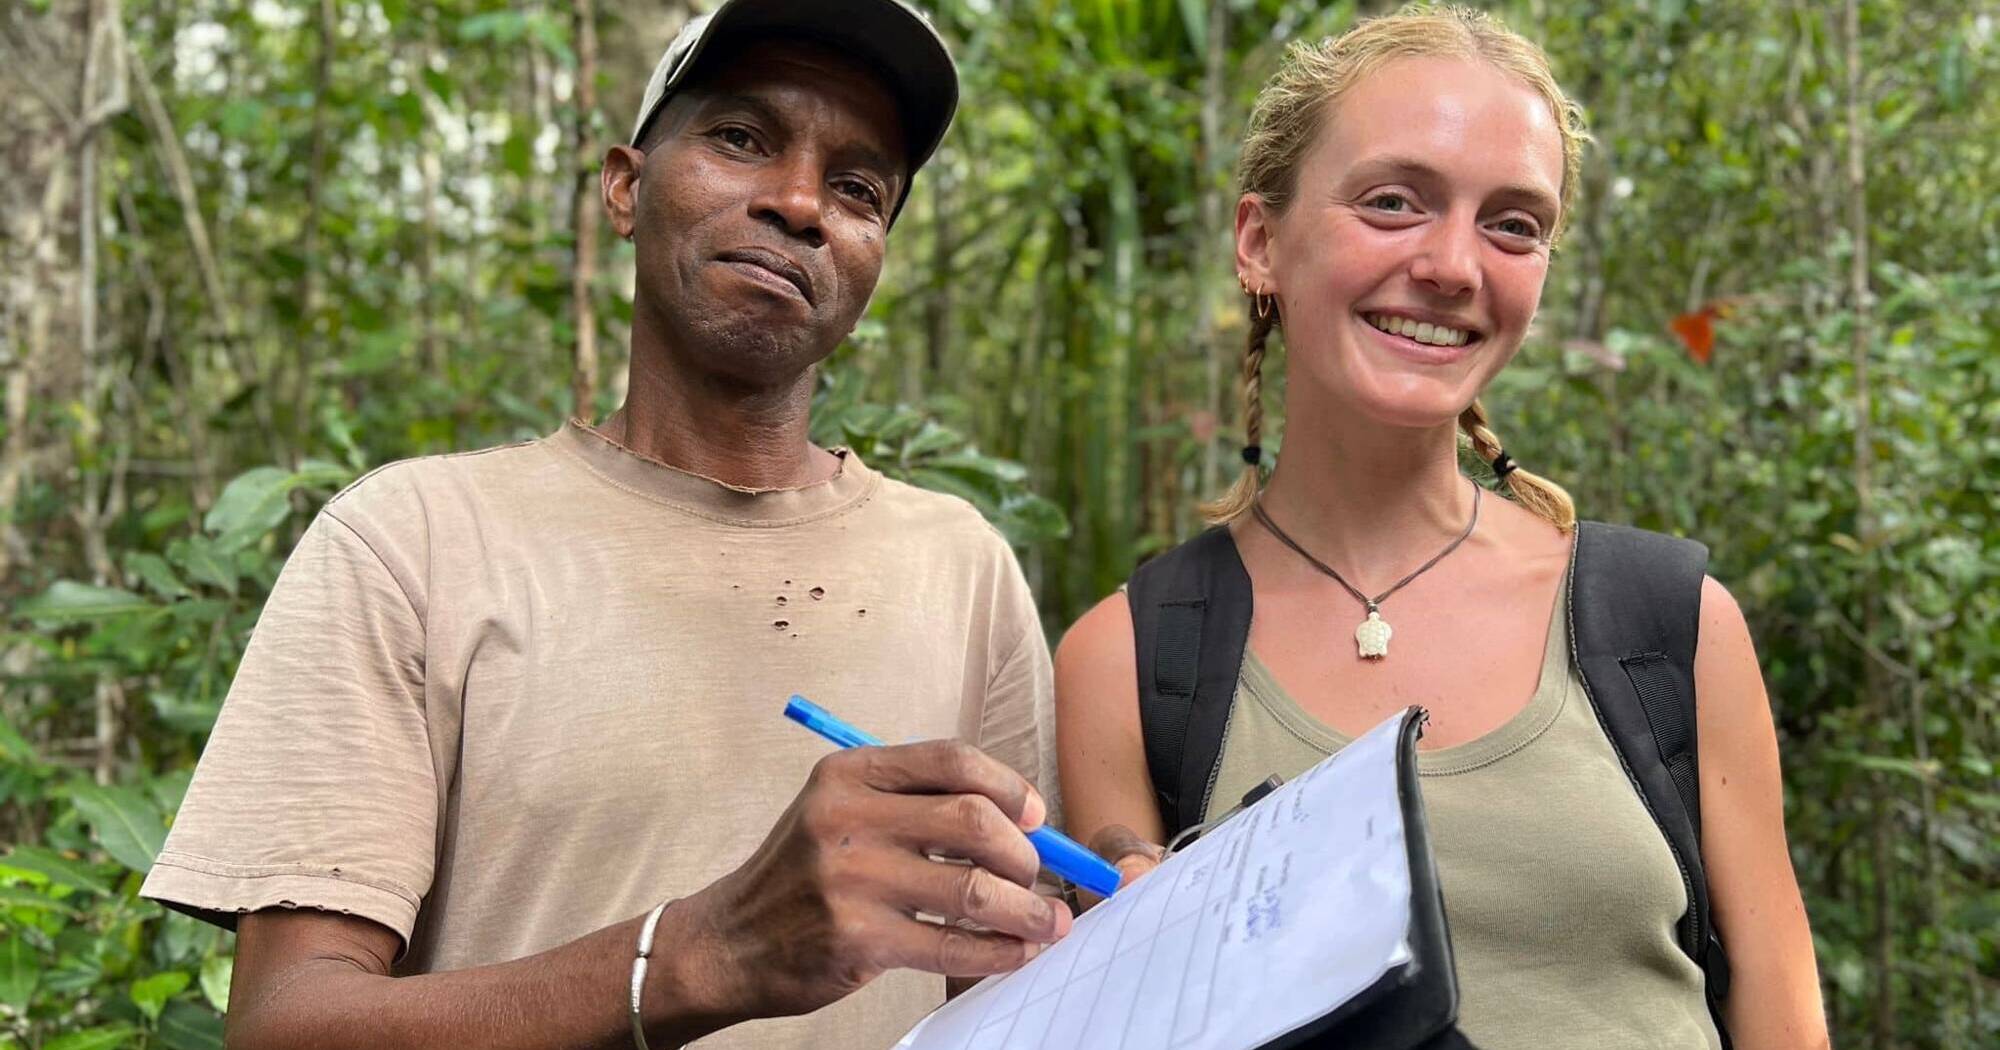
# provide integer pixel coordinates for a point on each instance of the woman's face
(1411, 259)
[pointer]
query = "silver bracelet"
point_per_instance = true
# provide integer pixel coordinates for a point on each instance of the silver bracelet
(639, 964)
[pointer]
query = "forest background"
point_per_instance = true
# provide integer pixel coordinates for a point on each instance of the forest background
(250, 250)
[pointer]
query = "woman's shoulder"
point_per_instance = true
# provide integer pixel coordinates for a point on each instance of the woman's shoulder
(1101, 635)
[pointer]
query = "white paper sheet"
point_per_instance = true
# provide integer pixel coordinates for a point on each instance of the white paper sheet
(1264, 924)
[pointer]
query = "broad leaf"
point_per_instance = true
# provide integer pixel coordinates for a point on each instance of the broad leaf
(203, 560)
(150, 994)
(52, 867)
(105, 1037)
(154, 571)
(20, 971)
(95, 1039)
(69, 600)
(190, 1026)
(259, 500)
(18, 897)
(252, 504)
(12, 746)
(215, 974)
(129, 825)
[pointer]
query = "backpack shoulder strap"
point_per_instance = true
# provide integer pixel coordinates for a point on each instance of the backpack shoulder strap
(1635, 615)
(1190, 618)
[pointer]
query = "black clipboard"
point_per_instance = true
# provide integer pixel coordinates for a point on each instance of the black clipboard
(1414, 1006)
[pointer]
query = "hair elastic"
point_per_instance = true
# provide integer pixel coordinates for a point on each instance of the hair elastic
(1253, 455)
(1503, 465)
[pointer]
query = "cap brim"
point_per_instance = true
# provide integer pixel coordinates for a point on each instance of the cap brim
(885, 34)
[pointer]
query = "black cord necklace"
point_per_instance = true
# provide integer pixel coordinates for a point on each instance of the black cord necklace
(1371, 638)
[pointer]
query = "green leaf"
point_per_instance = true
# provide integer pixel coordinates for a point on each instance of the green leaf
(53, 867)
(215, 974)
(20, 971)
(1195, 19)
(1032, 519)
(1886, 764)
(204, 562)
(169, 788)
(517, 153)
(70, 601)
(129, 826)
(973, 464)
(104, 1037)
(154, 571)
(259, 500)
(950, 484)
(196, 715)
(252, 504)
(931, 439)
(502, 26)
(150, 994)
(16, 897)
(441, 85)
(190, 1026)
(13, 746)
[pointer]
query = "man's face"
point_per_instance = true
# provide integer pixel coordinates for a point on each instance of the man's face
(760, 206)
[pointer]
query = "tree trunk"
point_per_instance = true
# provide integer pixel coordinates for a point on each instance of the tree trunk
(1875, 693)
(432, 349)
(1212, 234)
(938, 305)
(583, 275)
(102, 493)
(311, 332)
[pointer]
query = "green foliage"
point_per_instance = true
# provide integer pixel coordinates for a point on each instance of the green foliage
(1055, 340)
(911, 445)
(76, 942)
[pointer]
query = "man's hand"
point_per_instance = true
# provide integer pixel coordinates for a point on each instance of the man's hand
(826, 904)
(829, 901)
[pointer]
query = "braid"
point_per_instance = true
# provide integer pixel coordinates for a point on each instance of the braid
(1235, 502)
(1543, 497)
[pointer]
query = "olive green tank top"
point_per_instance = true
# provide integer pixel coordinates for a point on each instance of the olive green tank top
(1560, 891)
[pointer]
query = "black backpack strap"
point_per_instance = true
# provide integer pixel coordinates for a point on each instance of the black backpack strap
(1635, 616)
(1190, 618)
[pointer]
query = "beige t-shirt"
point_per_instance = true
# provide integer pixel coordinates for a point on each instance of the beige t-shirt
(501, 699)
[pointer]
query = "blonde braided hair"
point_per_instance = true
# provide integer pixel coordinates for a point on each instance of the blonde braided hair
(1548, 500)
(1287, 118)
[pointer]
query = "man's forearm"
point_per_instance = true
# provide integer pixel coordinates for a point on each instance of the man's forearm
(573, 996)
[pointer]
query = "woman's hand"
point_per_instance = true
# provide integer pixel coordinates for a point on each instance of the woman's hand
(1127, 851)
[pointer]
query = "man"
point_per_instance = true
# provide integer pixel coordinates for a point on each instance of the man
(502, 704)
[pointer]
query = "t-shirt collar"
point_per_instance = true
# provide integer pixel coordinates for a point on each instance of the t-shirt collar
(707, 497)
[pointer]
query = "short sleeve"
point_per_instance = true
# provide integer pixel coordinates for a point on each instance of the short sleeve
(317, 788)
(1017, 724)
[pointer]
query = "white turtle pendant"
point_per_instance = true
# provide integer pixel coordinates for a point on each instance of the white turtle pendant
(1372, 636)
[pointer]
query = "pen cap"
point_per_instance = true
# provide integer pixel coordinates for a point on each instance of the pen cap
(821, 721)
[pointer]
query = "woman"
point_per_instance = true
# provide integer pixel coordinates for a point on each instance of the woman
(1402, 188)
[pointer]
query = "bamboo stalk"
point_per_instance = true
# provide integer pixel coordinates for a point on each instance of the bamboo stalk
(583, 271)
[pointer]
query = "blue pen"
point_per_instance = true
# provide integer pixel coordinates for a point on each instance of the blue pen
(1060, 853)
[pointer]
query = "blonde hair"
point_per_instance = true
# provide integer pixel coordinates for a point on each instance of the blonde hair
(1285, 122)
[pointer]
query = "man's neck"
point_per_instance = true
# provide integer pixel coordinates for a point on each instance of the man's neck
(746, 437)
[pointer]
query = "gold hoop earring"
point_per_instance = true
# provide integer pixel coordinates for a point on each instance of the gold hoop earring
(1265, 305)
